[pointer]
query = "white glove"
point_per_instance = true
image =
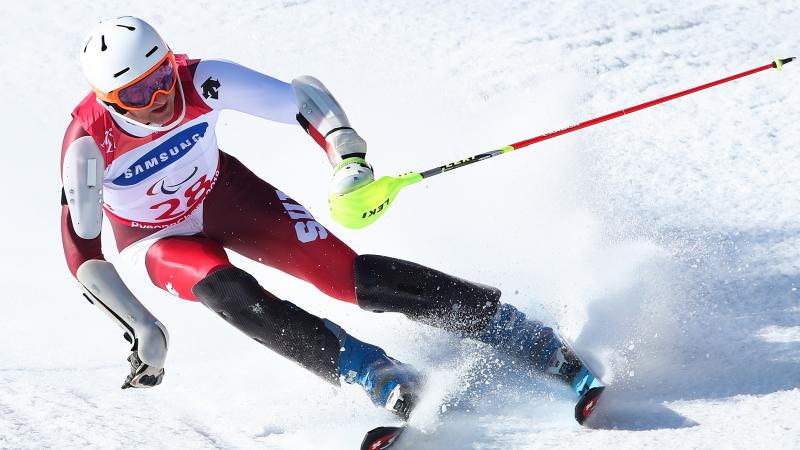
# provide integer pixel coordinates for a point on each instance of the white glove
(351, 174)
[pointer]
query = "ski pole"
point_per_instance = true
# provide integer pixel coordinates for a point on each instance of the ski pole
(363, 206)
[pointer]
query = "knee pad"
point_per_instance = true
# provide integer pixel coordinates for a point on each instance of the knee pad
(423, 294)
(277, 324)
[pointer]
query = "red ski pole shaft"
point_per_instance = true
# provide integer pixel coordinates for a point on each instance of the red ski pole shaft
(638, 107)
(777, 64)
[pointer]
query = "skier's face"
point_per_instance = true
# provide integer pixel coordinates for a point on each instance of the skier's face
(160, 112)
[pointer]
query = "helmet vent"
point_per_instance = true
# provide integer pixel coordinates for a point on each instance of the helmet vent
(152, 50)
(87, 44)
(103, 46)
(130, 28)
(121, 72)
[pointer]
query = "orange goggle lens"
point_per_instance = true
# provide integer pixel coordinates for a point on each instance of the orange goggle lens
(141, 92)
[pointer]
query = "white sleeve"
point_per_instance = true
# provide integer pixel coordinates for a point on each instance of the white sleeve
(227, 85)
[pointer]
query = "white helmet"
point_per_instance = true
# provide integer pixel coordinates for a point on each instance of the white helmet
(118, 51)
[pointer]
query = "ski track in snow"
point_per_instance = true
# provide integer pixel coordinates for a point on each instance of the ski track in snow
(665, 244)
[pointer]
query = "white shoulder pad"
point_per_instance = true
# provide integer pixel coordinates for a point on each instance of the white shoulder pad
(82, 175)
(318, 105)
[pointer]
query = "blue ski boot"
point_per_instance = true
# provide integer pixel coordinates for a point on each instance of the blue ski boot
(389, 383)
(512, 333)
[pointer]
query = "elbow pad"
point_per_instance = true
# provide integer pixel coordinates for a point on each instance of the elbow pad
(82, 175)
(105, 289)
(324, 119)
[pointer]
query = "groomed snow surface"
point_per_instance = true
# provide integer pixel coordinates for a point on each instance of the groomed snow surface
(665, 244)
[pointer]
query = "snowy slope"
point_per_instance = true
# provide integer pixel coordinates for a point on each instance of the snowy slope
(665, 243)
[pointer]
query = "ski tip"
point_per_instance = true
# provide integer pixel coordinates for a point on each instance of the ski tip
(779, 63)
(586, 404)
(381, 438)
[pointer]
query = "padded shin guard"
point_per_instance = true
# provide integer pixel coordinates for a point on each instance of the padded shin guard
(423, 294)
(277, 324)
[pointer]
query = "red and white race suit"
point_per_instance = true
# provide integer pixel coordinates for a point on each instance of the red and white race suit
(175, 201)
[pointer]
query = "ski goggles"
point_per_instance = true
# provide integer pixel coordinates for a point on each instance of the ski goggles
(141, 92)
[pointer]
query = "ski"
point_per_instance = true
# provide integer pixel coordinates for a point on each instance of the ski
(564, 365)
(382, 437)
(588, 388)
(586, 385)
(586, 404)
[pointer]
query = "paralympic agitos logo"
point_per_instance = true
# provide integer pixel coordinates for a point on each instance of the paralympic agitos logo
(162, 156)
(169, 189)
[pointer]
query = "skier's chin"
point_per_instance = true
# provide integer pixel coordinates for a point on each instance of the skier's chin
(161, 114)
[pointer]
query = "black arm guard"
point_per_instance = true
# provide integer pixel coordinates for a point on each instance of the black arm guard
(277, 324)
(423, 294)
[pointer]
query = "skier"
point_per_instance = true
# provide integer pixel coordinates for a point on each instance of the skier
(142, 147)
